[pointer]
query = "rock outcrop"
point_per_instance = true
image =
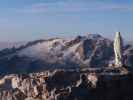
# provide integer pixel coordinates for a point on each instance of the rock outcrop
(68, 85)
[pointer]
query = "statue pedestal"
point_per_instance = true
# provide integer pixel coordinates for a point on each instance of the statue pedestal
(116, 70)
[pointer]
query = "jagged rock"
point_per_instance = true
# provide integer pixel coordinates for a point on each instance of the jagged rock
(18, 95)
(93, 79)
(15, 82)
(70, 85)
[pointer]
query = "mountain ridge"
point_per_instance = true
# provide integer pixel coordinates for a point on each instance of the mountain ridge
(92, 50)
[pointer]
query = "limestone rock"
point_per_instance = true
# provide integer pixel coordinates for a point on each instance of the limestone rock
(70, 85)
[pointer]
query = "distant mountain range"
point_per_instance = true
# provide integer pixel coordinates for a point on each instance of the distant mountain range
(92, 50)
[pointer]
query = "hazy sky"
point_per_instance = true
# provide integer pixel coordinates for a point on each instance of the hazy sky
(22, 20)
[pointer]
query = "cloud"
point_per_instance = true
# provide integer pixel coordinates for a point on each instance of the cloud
(117, 7)
(58, 7)
(74, 7)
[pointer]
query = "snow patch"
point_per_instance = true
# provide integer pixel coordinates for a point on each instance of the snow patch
(41, 49)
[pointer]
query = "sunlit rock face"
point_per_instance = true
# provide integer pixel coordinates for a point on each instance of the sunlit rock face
(68, 85)
(118, 46)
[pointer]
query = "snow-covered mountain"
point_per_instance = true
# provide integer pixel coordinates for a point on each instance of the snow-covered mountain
(92, 50)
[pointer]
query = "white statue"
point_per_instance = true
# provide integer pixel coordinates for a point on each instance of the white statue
(118, 46)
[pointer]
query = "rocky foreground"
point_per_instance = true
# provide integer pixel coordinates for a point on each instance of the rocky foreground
(86, 84)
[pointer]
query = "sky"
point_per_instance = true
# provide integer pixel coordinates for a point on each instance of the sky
(25, 20)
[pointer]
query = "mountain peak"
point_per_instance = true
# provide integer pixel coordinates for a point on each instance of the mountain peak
(93, 36)
(92, 50)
